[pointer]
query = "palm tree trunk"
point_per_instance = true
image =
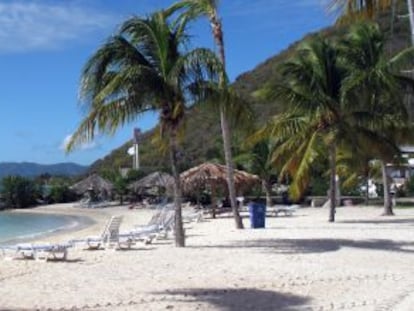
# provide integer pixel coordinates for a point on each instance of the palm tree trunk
(267, 185)
(229, 163)
(387, 198)
(178, 228)
(213, 200)
(332, 184)
(225, 129)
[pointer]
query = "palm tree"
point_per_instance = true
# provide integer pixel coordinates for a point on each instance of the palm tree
(377, 83)
(208, 8)
(143, 67)
(317, 116)
(331, 107)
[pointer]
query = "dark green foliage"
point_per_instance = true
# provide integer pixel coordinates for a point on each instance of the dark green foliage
(60, 193)
(19, 192)
(319, 185)
(134, 175)
(121, 188)
(410, 186)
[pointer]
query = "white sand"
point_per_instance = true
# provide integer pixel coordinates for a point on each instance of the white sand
(361, 262)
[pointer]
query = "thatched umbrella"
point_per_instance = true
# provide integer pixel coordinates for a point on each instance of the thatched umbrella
(157, 179)
(93, 183)
(214, 175)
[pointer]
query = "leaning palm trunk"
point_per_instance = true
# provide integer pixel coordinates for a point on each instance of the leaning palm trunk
(225, 129)
(178, 228)
(387, 198)
(332, 186)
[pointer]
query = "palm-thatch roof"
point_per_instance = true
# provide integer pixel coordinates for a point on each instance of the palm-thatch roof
(93, 182)
(214, 175)
(156, 179)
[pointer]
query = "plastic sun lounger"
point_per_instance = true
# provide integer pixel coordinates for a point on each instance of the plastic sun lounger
(109, 237)
(38, 251)
(287, 210)
(194, 216)
(159, 228)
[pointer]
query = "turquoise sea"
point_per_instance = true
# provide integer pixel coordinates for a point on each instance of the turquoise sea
(15, 227)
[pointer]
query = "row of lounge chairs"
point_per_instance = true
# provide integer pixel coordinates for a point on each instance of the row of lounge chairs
(89, 203)
(159, 226)
(38, 251)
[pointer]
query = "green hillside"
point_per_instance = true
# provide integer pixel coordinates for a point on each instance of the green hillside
(202, 139)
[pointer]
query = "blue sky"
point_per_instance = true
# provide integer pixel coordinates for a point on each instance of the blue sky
(45, 43)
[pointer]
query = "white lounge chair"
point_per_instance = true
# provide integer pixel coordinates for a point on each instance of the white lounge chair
(109, 237)
(193, 216)
(287, 210)
(158, 227)
(37, 251)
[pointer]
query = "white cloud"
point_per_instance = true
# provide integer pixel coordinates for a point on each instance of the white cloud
(85, 146)
(31, 25)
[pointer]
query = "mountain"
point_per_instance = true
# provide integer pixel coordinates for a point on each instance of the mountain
(27, 169)
(202, 138)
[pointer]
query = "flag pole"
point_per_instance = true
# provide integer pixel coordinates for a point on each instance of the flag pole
(136, 135)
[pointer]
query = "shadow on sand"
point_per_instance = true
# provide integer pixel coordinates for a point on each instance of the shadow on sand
(385, 220)
(292, 246)
(242, 299)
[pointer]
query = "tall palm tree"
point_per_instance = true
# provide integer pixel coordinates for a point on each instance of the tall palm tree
(317, 116)
(209, 8)
(378, 84)
(144, 67)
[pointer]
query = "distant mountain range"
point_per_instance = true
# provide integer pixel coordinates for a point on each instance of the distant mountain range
(27, 169)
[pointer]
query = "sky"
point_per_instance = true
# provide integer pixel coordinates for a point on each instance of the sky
(44, 45)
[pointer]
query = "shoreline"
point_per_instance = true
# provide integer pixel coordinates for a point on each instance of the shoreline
(85, 220)
(74, 224)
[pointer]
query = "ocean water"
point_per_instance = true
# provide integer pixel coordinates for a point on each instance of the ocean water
(16, 227)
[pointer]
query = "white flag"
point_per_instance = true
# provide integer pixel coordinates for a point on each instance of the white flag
(131, 151)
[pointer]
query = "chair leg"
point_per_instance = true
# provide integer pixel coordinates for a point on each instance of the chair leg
(40, 256)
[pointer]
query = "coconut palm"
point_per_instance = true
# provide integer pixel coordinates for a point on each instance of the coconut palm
(377, 82)
(331, 107)
(209, 8)
(144, 67)
(317, 118)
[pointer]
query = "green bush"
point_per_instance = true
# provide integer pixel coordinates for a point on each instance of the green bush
(410, 186)
(61, 194)
(19, 192)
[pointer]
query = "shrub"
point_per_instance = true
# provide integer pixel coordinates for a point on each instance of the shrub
(19, 192)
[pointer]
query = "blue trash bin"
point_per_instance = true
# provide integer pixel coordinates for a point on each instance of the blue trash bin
(257, 215)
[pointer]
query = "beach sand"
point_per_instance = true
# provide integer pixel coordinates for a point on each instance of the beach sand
(361, 262)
